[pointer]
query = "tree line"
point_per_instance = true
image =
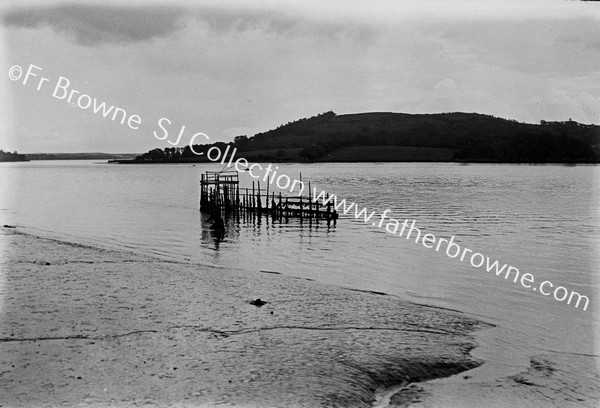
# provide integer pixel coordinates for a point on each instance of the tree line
(10, 157)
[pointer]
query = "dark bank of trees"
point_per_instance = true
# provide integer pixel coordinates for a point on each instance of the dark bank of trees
(180, 154)
(471, 136)
(528, 148)
(8, 156)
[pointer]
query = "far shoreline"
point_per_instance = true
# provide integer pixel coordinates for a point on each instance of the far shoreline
(565, 163)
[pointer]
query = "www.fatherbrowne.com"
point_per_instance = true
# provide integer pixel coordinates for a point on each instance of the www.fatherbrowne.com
(409, 230)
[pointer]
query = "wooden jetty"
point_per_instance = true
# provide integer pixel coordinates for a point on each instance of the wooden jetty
(222, 196)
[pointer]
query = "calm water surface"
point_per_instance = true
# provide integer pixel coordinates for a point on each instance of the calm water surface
(541, 219)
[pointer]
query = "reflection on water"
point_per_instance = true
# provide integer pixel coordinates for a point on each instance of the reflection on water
(258, 224)
(540, 219)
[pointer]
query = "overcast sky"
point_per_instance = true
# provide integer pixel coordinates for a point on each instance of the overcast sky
(240, 67)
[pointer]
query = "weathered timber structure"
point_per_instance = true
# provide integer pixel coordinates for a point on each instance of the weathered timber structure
(222, 196)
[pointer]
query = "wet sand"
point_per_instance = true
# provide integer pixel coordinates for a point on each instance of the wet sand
(552, 380)
(83, 326)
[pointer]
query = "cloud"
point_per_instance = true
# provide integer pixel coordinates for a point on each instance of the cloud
(92, 25)
(536, 45)
(446, 85)
(200, 63)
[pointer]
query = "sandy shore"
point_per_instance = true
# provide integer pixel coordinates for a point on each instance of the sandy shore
(84, 326)
(552, 380)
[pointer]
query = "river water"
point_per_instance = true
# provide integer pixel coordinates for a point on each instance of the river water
(543, 220)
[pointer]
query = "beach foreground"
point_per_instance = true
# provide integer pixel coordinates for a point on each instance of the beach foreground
(85, 326)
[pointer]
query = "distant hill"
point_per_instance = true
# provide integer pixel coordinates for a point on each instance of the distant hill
(384, 136)
(11, 157)
(80, 156)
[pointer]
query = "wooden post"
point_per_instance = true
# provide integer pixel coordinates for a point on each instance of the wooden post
(273, 205)
(258, 200)
(268, 182)
(203, 187)
(280, 208)
(328, 210)
(310, 203)
(310, 209)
